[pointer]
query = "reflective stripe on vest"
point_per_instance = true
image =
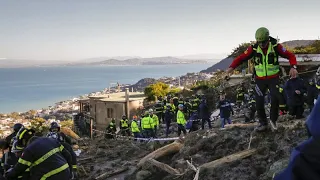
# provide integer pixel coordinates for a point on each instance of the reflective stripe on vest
(124, 123)
(262, 66)
(56, 171)
(282, 105)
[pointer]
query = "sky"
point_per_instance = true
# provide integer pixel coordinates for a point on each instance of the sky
(80, 29)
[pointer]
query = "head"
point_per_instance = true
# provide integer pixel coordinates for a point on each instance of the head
(250, 92)
(146, 113)
(17, 127)
(124, 117)
(54, 127)
(134, 117)
(169, 107)
(222, 96)
(24, 135)
(151, 111)
(180, 106)
(113, 120)
(262, 37)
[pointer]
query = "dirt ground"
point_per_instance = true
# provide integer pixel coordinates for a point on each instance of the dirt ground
(274, 148)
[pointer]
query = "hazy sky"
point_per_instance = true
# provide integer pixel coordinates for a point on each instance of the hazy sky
(79, 29)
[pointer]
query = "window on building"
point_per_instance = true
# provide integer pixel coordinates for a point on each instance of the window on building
(110, 113)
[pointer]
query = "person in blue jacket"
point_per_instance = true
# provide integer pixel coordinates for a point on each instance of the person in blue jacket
(295, 88)
(304, 162)
(225, 109)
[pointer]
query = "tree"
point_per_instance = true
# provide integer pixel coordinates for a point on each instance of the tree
(237, 52)
(15, 115)
(154, 90)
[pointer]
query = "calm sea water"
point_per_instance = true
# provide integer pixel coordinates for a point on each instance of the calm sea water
(22, 89)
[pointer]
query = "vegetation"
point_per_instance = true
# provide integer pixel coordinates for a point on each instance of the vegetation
(159, 89)
(313, 48)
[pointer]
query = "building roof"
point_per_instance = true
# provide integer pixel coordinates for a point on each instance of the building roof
(119, 97)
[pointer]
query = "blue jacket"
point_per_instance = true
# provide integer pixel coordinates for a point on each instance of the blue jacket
(168, 116)
(304, 162)
(225, 108)
(46, 158)
(291, 86)
(204, 112)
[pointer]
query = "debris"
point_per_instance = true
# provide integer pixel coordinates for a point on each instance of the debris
(164, 167)
(69, 132)
(164, 151)
(112, 173)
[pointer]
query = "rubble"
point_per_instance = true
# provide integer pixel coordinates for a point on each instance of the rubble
(209, 154)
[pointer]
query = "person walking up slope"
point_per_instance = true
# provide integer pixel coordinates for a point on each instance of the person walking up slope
(265, 54)
(181, 121)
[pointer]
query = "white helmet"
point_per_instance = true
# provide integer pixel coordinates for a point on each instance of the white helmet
(150, 110)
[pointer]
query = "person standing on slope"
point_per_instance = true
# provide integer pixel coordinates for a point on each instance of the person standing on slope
(265, 54)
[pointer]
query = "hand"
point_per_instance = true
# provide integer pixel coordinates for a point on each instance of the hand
(293, 73)
(298, 92)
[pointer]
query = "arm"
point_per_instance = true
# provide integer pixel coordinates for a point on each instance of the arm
(73, 155)
(23, 164)
(65, 153)
(286, 54)
(66, 138)
(248, 54)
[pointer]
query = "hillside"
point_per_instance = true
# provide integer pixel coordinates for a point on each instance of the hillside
(297, 43)
(223, 64)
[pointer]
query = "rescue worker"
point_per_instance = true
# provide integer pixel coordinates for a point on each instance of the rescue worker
(181, 101)
(295, 89)
(265, 54)
(155, 121)
(45, 157)
(175, 100)
(9, 159)
(240, 96)
(181, 121)
(312, 94)
(159, 110)
(147, 125)
(282, 101)
(135, 128)
(305, 158)
(204, 113)
(55, 131)
(18, 152)
(251, 106)
(111, 129)
(187, 108)
(168, 118)
(124, 126)
(195, 104)
(225, 109)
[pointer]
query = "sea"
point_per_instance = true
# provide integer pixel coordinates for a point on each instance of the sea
(22, 89)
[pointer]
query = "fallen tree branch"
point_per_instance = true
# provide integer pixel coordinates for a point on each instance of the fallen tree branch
(230, 158)
(191, 166)
(85, 159)
(164, 167)
(241, 125)
(112, 173)
(164, 151)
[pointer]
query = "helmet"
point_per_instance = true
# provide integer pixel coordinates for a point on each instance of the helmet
(180, 106)
(54, 125)
(146, 113)
(124, 116)
(135, 117)
(16, 148)
(24, 135)
(150, 110)
(221, 92)
(318, 84)
(262, 34)
(17, 127)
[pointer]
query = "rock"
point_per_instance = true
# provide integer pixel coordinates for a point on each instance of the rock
(277, 167)
(143, 175)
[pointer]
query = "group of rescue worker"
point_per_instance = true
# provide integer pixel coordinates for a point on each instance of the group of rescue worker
(27, 155)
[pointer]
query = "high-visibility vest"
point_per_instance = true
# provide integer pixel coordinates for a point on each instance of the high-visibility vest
(124, 123)
(147, 123)
(112, 125)
(266, 65)
(155, 120)
(180, 118)
(134, 127)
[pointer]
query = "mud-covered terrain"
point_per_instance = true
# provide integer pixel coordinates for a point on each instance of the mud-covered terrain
(118, 159)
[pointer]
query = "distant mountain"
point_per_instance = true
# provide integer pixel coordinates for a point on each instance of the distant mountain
(148, 61)
(222, 65)
(98, 59)
(14, 63)
(206, 56)
(297, 43)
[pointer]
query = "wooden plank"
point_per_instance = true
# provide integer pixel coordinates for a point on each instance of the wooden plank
(164, 167)
(112, 173)
(230, 158)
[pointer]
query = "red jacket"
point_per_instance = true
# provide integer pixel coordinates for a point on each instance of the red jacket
(248, 54)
